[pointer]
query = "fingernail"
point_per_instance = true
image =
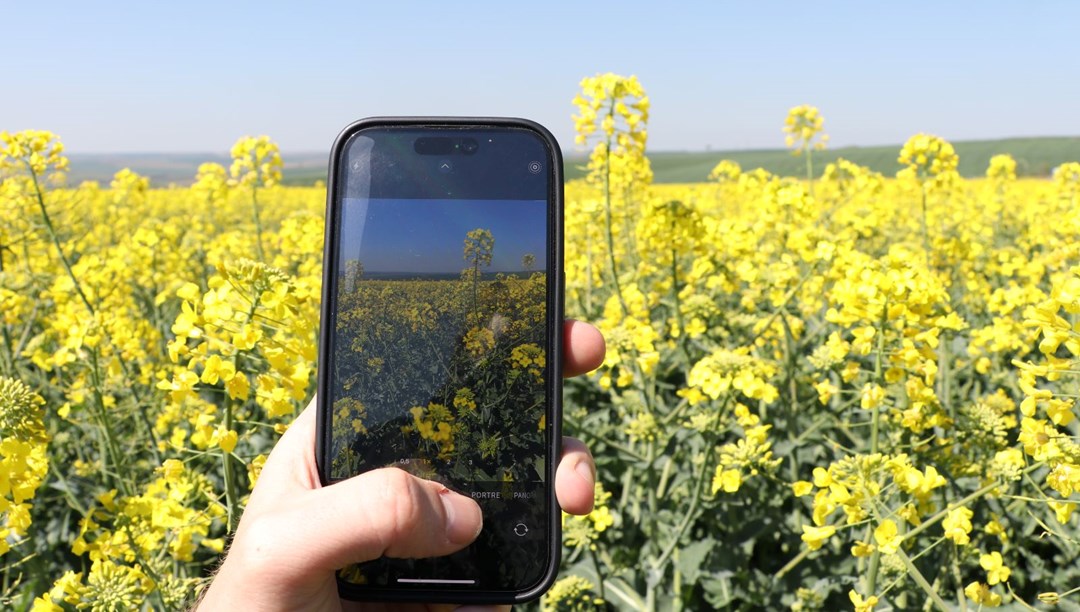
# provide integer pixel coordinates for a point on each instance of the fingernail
(463, 518)
(585, 470)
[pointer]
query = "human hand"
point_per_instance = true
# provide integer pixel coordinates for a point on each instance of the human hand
(295, 533)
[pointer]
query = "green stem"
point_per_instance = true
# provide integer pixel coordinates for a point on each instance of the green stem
(879, 376)
(232, 498)
(1020, 601)
(875, 433)
(588, 274)
(475, 298)
(920, 580)
(651, 486)
(599, 574)
(665, 474)
(144, 416)
(954, 564)
(595, 437)
(9, 361)
(56, 239)
(696, 489)
(790, 565)
(676, 580)
(258, 224)
(780, 309)
(9, 356)
(678, 305)
(1069, 592)
(82, 295)
(72, 501)
(872, 571)
(609, 221)
(943, 377)
(110, 450)
(930, 522)
(925, 226)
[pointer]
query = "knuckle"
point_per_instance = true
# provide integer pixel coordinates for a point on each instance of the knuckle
(404, 503)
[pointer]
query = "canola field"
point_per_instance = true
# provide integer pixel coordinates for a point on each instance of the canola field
(834, 391)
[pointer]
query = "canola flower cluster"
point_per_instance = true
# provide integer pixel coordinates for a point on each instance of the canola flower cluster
(862, 388)
(837, 391)
(153, 345)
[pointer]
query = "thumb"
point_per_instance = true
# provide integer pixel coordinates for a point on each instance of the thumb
(390, 512)
(383, 512)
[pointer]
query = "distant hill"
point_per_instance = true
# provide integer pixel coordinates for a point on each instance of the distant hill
(180, 168)
(1034, 157)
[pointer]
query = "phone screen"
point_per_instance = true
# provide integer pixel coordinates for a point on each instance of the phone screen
(441, 333)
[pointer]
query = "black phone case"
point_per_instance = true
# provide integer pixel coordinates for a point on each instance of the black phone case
(554, 349)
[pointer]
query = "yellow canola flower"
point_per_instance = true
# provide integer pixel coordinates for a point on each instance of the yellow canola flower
(572, 593)
(826, 390)
(802, 125)
(928, 155)
(815, 537)
(871, 396)
(995, 528)
(727, 481)
(981, 594)
(1039, 439)
(226, 439)
(35, 150)
(957, 525)
(887, 538)
(822, 478)
(1002, 168)
(256, 161)
(861, 604)
(910, 514)
(23, 460)
(911, 480)
(862, 549)
(726, 171)
(254, 468)
(996, 571)
(1060, 411)
(172, 469)
(1064, 478)
(723, 370)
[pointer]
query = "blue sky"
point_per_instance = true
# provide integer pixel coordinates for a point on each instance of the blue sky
(195, 76)
(386, 237)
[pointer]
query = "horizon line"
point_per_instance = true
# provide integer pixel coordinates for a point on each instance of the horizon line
(581, 152)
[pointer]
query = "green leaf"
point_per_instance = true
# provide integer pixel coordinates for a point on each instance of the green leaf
(718, 589)
(689, 560)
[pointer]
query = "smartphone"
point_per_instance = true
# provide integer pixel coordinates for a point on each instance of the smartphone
(441, 340)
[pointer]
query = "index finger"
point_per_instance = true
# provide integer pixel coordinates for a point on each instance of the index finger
(583, 348)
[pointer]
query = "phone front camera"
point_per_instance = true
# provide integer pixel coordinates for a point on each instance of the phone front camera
(469, 146)
(535, 167)
(434, 145)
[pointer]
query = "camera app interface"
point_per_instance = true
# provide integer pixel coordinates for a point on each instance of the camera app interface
(439, 350)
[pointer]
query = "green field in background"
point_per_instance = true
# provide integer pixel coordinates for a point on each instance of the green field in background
(1034, 157)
